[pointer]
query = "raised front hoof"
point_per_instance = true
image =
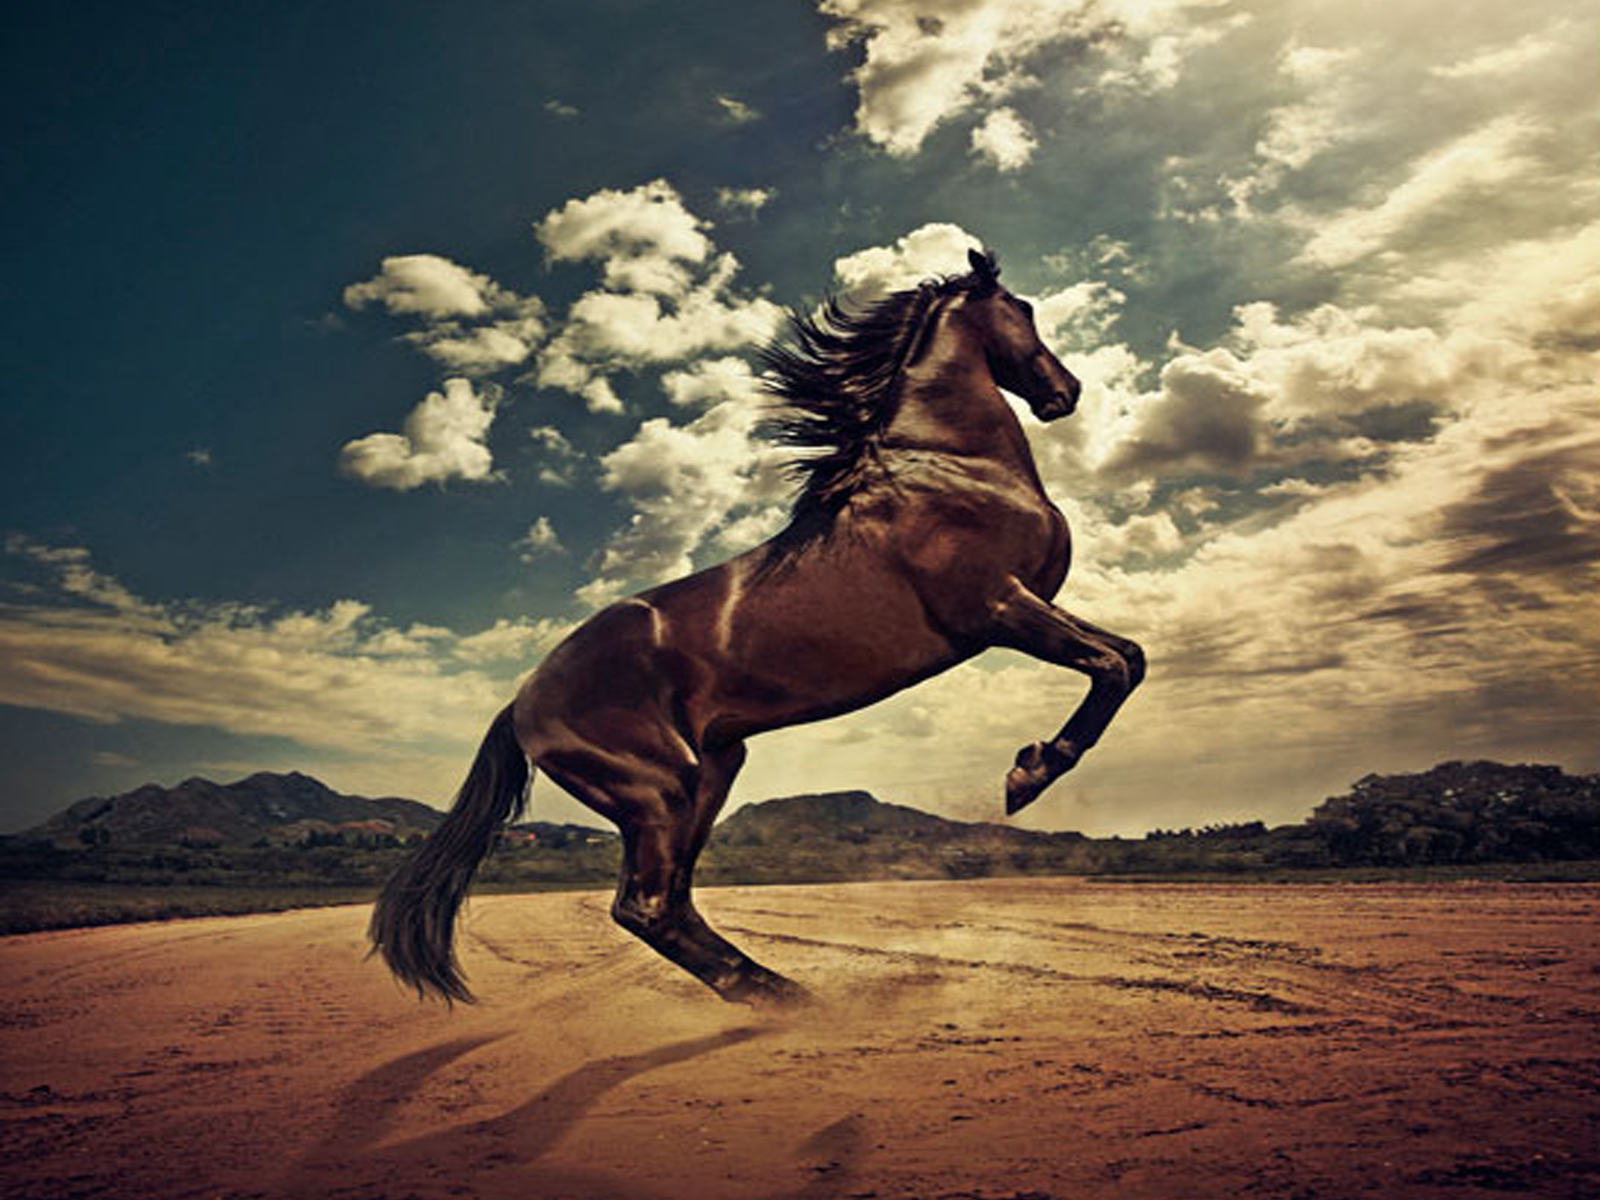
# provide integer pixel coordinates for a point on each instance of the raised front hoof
(1038, 766)
(764, 989)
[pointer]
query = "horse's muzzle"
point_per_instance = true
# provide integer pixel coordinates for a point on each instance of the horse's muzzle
(1060, 404)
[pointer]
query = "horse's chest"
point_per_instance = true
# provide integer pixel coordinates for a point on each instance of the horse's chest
(989, 533)
(1056, 553)
(1035, 542)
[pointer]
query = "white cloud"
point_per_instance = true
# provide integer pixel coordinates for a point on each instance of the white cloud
(1485, 160)
(428, 286)
(636, 327)
(385, 709)
(745, 201)
(605, 331)
(1527, 309)
(1297, 132)
(685, 483)
(600, 591)
(667, 297)
(1206, 417)
(470, 325)
(560, 458)
(927, 61)
(444, 438)
(1333, 361)
(1502, 60)
(334, 678)
(1078, 315)
(736, 111)
(711, 380)
(1005, 140)
(518, 642)
(1101, 255)
(1331, 86)
(484, 349)
(539, 542)
(560, 367)
(1276, 392)
(937, 248)
(641, 235)
(77, 578)
(1159, 39)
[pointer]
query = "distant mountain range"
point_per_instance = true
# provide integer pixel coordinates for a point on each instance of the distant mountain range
(264, 806)
(1457, 812)
(293, 807)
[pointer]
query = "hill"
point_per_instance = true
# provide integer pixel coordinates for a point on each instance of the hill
(275, 841)
(264, 806)
(1454, 813)
(859, 817)
(853, 835)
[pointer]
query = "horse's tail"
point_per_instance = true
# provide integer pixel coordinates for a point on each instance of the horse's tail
(413, 924)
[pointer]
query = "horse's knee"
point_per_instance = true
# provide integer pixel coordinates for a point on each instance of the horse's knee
(1120, 666)
(1133, 653)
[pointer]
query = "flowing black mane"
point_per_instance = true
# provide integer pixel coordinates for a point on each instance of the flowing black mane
(837, 379)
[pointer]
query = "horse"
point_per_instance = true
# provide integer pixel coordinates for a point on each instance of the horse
(921, 535)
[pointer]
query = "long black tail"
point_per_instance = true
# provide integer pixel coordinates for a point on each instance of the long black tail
(413, 925)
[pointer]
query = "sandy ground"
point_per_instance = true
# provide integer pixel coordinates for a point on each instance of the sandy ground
(1038, 1039)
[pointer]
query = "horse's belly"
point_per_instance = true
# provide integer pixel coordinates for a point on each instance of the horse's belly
(817, 652)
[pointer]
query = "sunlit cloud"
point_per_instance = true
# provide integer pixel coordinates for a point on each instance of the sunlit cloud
(667, 297)
(925, 62)
(930, 250)
(1493, 156)
(444, 438)
(540, 541)
(684, 485)
(1004, 140)
(426, 285)
(745, 201)
(736, 110)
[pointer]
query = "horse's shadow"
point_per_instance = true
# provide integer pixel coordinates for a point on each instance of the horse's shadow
(500, 1156)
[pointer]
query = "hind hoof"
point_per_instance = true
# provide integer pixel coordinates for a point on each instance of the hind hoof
(767, 989)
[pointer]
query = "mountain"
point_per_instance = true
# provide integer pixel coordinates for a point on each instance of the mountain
(859, 817)
(267, 806)
(1454, 813)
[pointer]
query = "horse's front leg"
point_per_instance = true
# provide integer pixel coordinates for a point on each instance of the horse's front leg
(1114, 665)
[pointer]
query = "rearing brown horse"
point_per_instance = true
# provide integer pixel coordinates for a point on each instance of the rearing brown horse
(922, 535)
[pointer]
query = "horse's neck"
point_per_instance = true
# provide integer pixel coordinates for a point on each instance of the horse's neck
(949, 404)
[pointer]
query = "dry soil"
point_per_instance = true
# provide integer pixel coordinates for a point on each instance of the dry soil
(1040, 1039)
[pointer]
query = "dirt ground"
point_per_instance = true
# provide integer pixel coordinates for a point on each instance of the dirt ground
(1004, 1040)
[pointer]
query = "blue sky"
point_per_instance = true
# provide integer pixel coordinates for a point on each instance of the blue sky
(355, 352)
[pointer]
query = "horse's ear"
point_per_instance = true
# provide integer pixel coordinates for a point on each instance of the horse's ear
(985, 269)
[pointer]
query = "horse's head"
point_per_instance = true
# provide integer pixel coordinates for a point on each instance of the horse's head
(1020, 362)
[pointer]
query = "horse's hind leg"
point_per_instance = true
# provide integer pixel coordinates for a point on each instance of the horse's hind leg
(752, 983)
(658, 812)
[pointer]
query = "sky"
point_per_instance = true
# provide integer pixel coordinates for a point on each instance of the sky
(354, 353)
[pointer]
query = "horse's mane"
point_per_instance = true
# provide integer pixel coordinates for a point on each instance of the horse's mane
(837, 380)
